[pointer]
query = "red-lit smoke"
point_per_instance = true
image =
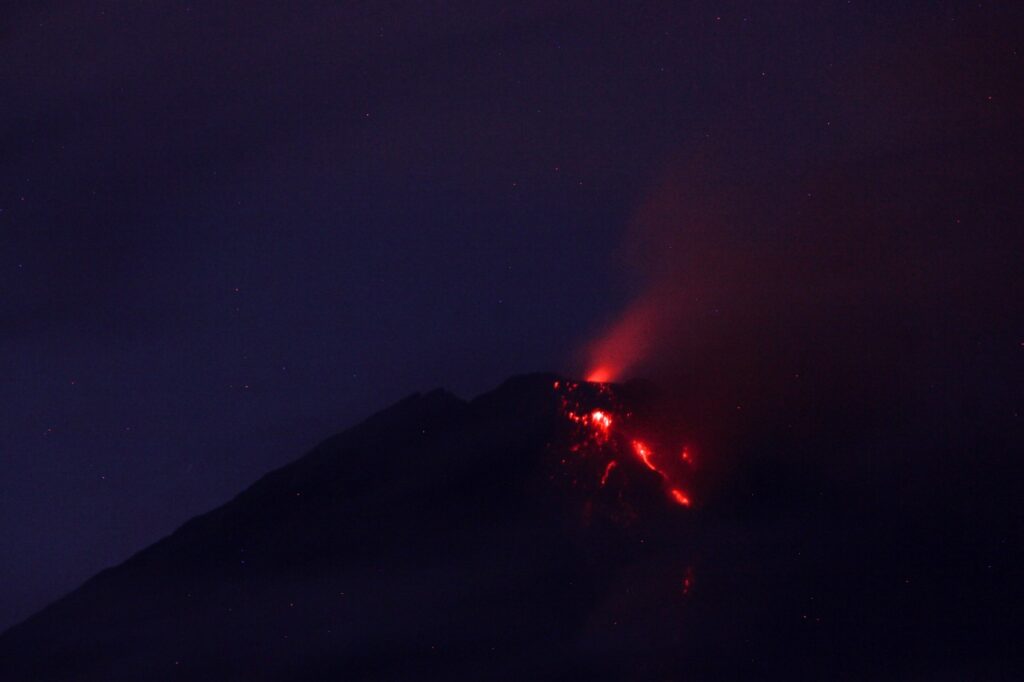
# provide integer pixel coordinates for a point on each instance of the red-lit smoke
(627, 342)
(671, 246)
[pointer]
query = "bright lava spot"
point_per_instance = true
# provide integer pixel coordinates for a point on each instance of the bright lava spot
(680, 497)
(644, 453)
(600, 375)
(599, 418)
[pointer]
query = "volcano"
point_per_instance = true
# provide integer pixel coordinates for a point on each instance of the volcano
(439, 538)
(545, 530)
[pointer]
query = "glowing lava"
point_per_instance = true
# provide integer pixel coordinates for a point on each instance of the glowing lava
(644, 453)
(614, 466)
(680, 497)
(608, 470)
(604, 436)
(600, 420)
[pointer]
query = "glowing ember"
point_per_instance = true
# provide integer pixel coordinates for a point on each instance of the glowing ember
(607, 470)
(688, 580)
(644, 453)
(680, 497)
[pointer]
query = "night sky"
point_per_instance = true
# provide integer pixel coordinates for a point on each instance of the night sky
(227, 232)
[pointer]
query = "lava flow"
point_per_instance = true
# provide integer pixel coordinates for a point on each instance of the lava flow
(605, 438)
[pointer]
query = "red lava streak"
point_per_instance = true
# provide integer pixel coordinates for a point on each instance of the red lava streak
(680, 497)
(607, 470)
(644, 453)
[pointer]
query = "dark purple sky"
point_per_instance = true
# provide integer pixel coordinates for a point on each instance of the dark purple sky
(226, 233)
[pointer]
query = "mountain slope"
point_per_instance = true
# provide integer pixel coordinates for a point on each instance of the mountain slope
(431, 537)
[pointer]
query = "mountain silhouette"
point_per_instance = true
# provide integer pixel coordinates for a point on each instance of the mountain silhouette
(431, 540)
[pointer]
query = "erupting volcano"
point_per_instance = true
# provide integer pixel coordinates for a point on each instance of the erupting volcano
(522, 528)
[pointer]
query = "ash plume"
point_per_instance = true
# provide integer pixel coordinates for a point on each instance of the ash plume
(844, 301)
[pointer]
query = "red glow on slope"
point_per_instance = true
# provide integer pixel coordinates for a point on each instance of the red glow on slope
(680, 497)
(600, 375)
(604, 454)
(644, 453)
(607, 470)
(601, 420)
(688, 579)
(606, 434)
